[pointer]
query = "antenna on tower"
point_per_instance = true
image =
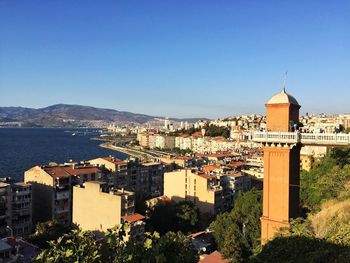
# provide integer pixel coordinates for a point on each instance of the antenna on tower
(284, 81)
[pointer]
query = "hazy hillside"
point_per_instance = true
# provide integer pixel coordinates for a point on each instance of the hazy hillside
(69, 115)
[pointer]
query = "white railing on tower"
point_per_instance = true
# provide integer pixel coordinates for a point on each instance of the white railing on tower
(304, 138)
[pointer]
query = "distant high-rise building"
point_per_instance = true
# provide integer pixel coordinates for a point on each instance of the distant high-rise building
(166, 123)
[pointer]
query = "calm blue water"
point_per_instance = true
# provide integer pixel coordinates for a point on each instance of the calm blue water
(21, 149)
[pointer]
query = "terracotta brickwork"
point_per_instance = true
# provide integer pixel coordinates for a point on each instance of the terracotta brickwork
(281, 172)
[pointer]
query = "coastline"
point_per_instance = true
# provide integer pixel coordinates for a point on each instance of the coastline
(133, 153)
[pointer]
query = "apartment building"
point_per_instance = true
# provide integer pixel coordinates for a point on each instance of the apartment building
(184, 142)
(21, 219)
(15, 208)
(144, 139)
(203, 190)
(137, 226)
(151, 140)
(115, 172)
(52, 189)
(5, 207)
(145, 179)
(97, 207)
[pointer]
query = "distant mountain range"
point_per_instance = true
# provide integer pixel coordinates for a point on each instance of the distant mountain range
(64, 115)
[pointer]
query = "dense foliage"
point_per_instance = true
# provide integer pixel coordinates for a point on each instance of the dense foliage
(75, 246)
(237, 233)
(182, 216)
(210, 130)
(48, 231)
(324, 235)
(214, 131)
(326, 181)
(302, 249)
(189, 131)
(78, 246)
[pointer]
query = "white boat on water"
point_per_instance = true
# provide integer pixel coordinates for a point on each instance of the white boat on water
(74, 134)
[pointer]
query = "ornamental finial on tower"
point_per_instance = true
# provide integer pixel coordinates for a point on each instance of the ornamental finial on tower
(284, 82)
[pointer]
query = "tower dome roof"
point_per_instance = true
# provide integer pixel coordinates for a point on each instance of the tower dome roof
(282, 98)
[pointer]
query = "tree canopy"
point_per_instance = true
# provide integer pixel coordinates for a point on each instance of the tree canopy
(237, 233)
(301, 249)
(327, 180)
(83, 247)
(182, 216)
(48, 231)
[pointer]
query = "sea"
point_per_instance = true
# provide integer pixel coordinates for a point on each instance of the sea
(23, 148)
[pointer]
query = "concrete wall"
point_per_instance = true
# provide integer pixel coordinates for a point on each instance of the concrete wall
(185, 185)
(95, 210)
(42, 194)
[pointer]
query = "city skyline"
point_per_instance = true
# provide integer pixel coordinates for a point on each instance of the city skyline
(175, 59)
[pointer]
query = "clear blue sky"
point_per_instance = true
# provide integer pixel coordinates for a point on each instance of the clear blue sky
(179, 58)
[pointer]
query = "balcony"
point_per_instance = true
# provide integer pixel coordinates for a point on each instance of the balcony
(21, 200)
(62, 195)
(23, 192)
(3, 191)
(325, 139)
(63, 209)
(21, 212)
(215, 187)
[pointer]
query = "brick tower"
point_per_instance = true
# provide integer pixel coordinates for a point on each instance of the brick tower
(281, 167)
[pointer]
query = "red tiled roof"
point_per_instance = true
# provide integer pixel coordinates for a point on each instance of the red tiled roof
(205, 176)
(222, 154)
(67, 170)
(236, 164)
(133, 218)
(82, 170)
(214, 257)
(56, 171)
(210, 167)
(114, 160)
(220, 139)
(165, 199)
(197, 234)
(197, 134)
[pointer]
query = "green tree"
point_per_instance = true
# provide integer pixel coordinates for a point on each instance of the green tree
(76, 246)
(117, 249)
(48, 231)
(327, 180)
(213, 131)
(173, 248)
(187, 215)
(182, 216)
(163, 219)
(301, 249)
(237, 233)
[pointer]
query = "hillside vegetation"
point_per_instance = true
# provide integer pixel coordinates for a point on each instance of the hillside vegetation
(321, 235)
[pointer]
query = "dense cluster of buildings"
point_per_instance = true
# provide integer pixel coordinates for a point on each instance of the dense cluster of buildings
(101, 193)
(197, 142)
(240, 127)
(96, 195)
(60, 191)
